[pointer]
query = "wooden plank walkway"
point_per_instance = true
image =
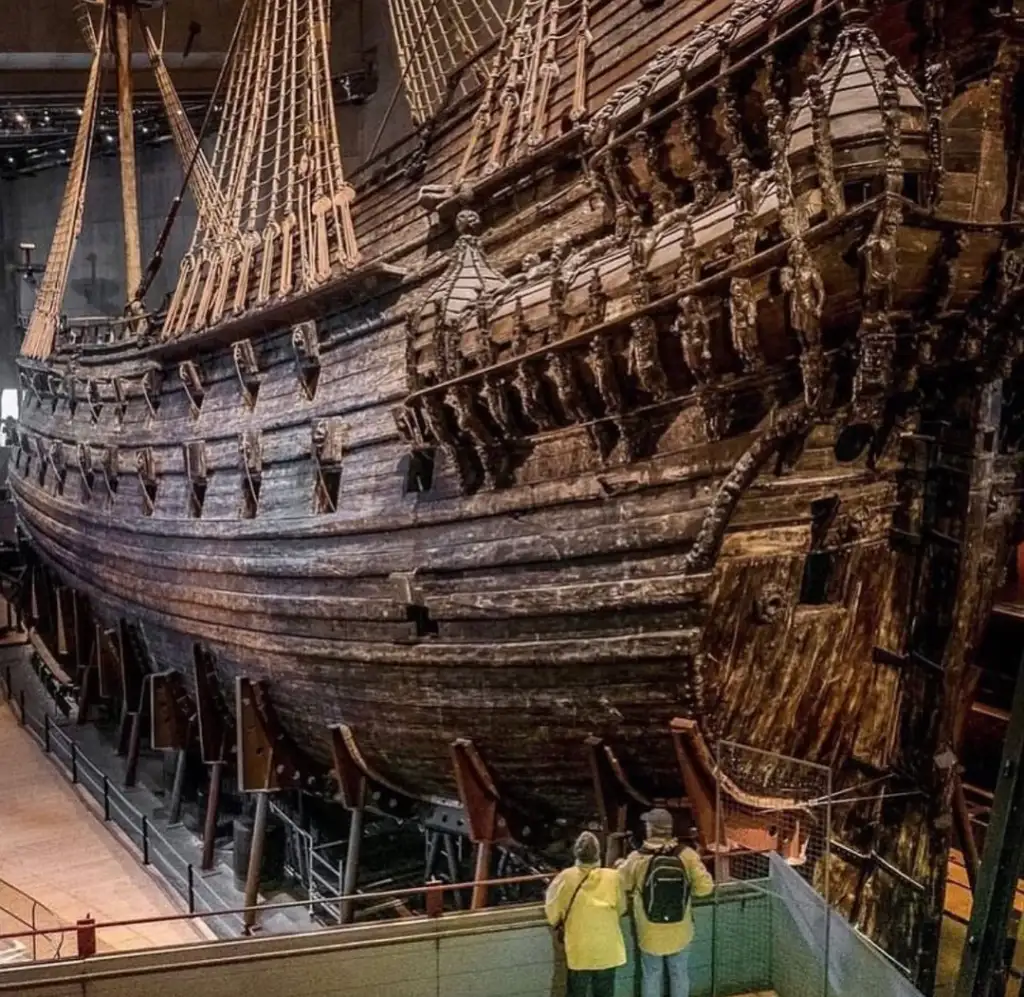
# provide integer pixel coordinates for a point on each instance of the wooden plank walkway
(54, 849)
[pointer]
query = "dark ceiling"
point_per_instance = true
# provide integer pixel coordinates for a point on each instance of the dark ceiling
(44, 62)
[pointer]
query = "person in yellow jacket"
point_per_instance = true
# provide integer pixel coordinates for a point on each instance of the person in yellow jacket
(664, 891)
(588, 903)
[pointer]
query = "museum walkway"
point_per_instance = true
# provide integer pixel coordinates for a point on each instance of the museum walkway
(59, 863)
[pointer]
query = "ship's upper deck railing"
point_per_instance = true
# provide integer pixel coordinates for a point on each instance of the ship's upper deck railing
(99, 331)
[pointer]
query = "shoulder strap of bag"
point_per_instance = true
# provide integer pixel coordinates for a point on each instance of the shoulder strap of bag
(572, 899)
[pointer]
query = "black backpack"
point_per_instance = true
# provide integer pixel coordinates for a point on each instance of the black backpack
(666, 889)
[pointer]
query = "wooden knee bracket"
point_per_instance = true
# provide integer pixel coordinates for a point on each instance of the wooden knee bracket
(247, 369)
(267, 759)
(192, 381)
(360, 785)
(211, 711)
(480, 798)
(618, 800)
(170, 712)
(352, 777)
(306, 347)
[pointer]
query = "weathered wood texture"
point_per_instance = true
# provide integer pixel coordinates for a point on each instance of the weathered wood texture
(715, 428)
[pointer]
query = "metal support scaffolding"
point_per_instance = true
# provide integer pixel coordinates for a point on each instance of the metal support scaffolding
(210, 820)
(983, 968)
(252, 879)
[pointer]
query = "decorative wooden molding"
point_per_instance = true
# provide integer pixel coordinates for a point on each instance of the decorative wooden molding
(196, 472)
(327, 446)
(146, 469)
(250, 458)
(192, 382)
(306, 345)
(247, 368)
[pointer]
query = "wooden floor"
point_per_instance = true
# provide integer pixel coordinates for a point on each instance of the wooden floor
(55, 850)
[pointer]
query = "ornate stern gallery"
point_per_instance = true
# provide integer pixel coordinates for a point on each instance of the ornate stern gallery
(662, 387)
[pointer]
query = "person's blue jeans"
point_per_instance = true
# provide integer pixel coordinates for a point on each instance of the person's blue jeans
(653, 968)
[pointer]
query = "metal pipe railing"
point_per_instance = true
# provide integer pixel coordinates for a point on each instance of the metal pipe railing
(428, 890)
(156, 849)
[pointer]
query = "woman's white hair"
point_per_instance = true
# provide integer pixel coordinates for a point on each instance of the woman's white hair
(587, 848)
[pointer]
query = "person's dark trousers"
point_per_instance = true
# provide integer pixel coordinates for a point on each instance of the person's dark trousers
(595, 982)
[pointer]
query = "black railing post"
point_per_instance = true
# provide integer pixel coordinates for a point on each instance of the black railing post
(21, 707)
(191, 889)
(145, 840)
(106, 798)
(46, 732)
(74, 762)
(7, 683)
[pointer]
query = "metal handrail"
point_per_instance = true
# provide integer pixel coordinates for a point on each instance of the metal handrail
(119, 810)
(435, 889)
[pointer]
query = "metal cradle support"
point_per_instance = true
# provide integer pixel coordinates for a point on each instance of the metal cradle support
(481, 800)
(353, 782)
(617, 798)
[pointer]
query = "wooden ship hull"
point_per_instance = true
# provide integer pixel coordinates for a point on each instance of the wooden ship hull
(701, 406)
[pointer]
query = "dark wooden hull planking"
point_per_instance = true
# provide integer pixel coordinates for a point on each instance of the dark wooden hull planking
(793, 544)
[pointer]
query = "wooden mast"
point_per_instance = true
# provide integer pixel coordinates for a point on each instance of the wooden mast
(126, 137)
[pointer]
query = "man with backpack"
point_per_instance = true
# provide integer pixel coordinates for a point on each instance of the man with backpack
(662, 877)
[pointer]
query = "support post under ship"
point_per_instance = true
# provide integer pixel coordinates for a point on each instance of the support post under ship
(663, 386)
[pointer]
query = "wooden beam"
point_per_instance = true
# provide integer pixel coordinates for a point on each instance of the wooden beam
(169, 713)
(615, 795)
(983, 967)
(482, 803)
(126, 138)
(213, 727)
(266, 758)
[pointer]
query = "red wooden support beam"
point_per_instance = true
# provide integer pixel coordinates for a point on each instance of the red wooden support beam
(699, 789)
(482, 803)
(615, 795)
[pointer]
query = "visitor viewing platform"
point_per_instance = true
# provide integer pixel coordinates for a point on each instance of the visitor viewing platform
(759, 937)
